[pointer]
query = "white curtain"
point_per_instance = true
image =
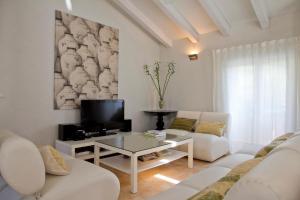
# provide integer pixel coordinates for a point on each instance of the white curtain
(258, 85)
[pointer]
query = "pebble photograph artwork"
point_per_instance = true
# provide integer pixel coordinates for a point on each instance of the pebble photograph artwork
(86, 61)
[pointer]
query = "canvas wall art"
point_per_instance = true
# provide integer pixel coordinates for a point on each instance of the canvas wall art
(86, 61)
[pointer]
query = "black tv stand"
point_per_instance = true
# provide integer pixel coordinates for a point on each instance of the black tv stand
(81, 132)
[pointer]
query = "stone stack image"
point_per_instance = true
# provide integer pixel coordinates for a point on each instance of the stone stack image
(86, 61)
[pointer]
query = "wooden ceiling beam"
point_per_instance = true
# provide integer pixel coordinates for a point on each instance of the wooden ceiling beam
(174, 14)
(261, 12)
(128, 7)
(217, 16)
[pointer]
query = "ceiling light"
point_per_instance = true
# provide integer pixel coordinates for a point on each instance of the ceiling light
(193, 57)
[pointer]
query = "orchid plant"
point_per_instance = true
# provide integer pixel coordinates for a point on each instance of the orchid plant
(154, 72)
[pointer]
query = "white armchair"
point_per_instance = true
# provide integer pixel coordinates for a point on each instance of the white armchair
(206, 147)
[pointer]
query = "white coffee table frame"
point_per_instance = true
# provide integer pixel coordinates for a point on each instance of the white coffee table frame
(132, 168)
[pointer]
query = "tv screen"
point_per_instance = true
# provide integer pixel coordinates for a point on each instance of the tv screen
(107, 113)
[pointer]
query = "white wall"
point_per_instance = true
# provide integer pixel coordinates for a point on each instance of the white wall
(27, 39)
(192, 86)
(6, 57)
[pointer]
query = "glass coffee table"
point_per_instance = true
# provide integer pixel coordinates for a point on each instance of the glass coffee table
(138, 144)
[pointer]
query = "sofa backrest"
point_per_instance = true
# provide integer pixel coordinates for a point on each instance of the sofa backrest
(21, 164)
(292, 144)
(214, 116)
(205, 116)
(189, 114)
(276, 177)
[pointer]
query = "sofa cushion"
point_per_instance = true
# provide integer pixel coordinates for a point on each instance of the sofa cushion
(21, 164)
(183, 124)
(86, 180)
(208, 147)
(276, 177)
(218, 189)
(178, 192)
(215, 117)
(293, 144)
(213, 128)
(276, 142)
(205, 177)
(233, 160)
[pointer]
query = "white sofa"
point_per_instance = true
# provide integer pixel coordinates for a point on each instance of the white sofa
(206, 147)
(277, 177)
(22, 175)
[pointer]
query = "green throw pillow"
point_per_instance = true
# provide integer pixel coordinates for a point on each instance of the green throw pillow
(183, 124)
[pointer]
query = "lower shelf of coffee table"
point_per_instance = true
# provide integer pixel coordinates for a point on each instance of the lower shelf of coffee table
(123, 164)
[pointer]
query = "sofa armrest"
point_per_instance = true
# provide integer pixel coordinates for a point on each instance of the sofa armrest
(85, 180)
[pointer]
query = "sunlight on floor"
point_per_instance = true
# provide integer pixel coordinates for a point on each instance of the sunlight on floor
(165, 178)
(164, 161)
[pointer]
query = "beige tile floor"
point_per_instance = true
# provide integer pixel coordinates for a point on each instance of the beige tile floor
(149, 185)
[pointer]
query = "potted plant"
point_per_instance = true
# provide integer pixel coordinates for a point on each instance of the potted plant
(160, 85)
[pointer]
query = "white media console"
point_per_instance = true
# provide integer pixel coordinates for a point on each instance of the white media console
(69, 147)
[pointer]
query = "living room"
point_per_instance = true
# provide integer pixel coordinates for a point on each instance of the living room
(231, 70)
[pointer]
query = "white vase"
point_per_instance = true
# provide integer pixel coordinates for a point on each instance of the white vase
(93, 26)
(105, 78)
(78, 79)
(66, 93)
(104, 53)
(104, 93)
(92, 43)
(84, 52)
(69, 60)
(91, 68)
(69, 105)
(106, 34)
(113, 65)
(91, 90)
(59, 83)
(67, 18)
(82, 96)
(79, 29)
(66, 42)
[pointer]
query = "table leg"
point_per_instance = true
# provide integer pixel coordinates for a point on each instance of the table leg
(160, 122)
(190, 154)
(73, 153)
(134, 174)
(97, 155)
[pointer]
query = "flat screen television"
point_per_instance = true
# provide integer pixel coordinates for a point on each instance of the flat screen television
(108, 114)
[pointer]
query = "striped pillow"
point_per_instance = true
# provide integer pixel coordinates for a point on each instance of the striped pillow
(183, 124)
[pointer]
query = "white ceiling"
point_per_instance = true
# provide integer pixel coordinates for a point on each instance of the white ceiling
(178, 19)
